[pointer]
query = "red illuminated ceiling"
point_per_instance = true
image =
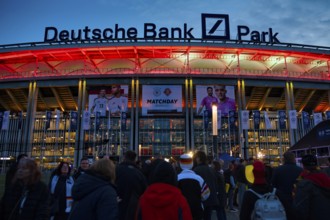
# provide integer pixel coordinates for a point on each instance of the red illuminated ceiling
(192, 58)
(25, 62)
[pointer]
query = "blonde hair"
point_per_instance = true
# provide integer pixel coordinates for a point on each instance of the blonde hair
(105, 168)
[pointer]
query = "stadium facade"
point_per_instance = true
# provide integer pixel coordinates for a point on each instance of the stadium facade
(96, 92)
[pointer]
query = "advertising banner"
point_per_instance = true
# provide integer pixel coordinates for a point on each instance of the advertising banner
(219, 120)
(1, 119)
(245, 119)
(206, 119)
(20, 120)
(97, 123)
(317, 117)
(231, 119)
(5, 120)
(305, 119)
(267, 121)
(327, 114)
(161, 99)
(48, 118)
(123, 121)
(58, 118)
(111, 99)
(281, 119)
(73, 120)
(293, 119)
(256, 119)
(86, 120)
(222, 95)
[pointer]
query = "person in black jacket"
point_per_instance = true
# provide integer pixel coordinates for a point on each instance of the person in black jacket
(285, 176)
(230, 179)
(94, 194)
(222, 197)
(27, 197)
(131, 183)
(312, 198)
(241, 181)
(261, 187)
(192, 186)
(60, 186)
(209, 175)
(84, 165)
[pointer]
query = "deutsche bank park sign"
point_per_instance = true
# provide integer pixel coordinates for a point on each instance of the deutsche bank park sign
(214, 27)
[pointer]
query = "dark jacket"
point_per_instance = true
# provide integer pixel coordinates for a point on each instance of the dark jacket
(221, 190)
(131, 183)
(191, 186)
(312, 199)
(230, 178)
(239, 174)
(284, 177)
(94, 198)
(36, 205)
(210, 177)
(249, 199)
(77, 173)
(10, 175)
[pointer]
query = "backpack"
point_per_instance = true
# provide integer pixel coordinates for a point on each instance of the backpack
(268, 206)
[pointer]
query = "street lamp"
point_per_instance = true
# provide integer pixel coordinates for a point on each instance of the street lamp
(215, 129)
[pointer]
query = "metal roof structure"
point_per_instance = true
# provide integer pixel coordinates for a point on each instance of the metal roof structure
(265, 66)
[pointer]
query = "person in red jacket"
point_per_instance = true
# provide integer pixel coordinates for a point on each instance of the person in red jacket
(312, 197)
(163, 199)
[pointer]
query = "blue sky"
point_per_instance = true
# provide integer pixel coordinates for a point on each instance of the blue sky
(296, 21)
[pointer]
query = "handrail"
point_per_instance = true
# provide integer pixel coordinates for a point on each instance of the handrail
(174, 72)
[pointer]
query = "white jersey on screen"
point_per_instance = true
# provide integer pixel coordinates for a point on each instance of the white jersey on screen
(101, 105)
(117, 104)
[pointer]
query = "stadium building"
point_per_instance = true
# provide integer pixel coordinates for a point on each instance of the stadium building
(92, 92)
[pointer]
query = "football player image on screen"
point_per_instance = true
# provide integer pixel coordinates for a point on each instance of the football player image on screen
(100, 104)
(117, 101)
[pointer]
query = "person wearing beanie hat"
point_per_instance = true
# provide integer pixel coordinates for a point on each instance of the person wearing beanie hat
(256, 174)
(162, 199)
(192, 186)
(259, 172)
(186, 162)
(312, 197)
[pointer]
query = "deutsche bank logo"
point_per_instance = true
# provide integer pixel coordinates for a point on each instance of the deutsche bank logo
(215, 26)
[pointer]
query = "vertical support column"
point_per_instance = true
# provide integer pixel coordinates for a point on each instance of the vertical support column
(289, 100)
(328, 100)
(242, 106)
(79, 145)
(30, 116)
(136, 130)
(132, 145)
(186, 104)
(191, 125)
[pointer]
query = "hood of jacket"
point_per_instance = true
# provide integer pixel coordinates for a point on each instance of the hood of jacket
(86, 184)
(160, 195)
(319, 178)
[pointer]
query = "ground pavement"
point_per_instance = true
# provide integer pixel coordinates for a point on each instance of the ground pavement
(230, 215)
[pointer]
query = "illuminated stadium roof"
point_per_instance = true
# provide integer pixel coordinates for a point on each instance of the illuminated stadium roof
(174, 58)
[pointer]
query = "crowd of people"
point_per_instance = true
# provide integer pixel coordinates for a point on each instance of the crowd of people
(190, 188)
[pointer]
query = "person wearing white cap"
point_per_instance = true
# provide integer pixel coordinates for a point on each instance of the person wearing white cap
(192, 186)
